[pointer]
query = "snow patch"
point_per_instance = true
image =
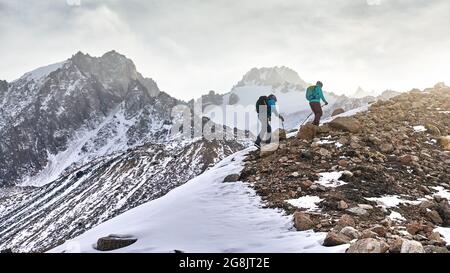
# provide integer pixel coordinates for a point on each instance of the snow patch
(330, 179)
(306, 202)
(442, 192)
(392, 201)
(445, 232)
(419, 128)
(395, 216)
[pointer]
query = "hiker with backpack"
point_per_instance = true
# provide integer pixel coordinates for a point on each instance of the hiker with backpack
(314, 95)
(265, 106)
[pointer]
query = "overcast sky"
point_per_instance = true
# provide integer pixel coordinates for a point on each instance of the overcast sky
(192, 46)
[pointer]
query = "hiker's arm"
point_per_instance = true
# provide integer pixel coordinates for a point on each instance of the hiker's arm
(322, 96)
(275, 111)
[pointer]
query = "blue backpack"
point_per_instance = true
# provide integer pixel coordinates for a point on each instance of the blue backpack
(311, 93)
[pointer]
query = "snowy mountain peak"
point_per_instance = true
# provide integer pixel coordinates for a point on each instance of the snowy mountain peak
(361, 93)
(42, 72)
(271, 76)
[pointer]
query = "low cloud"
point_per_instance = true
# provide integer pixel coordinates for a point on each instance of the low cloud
(192, 46)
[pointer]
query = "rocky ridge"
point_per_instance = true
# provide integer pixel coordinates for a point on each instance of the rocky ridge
(378, 180)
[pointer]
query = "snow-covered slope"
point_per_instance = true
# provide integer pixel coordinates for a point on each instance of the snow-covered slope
(85, 140)
(35, 219)
(205, 215)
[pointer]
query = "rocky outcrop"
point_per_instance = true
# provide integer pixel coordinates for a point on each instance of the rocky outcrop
(361, 165)
(307, 132)
(114, 242)
(348, 124)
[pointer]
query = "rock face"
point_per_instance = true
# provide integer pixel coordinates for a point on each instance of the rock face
(348, 124)
(307, 132)
(112, 243)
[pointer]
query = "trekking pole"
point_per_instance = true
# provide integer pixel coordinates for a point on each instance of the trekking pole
(301, 124)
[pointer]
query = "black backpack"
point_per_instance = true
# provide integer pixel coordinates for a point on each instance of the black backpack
(261, 101)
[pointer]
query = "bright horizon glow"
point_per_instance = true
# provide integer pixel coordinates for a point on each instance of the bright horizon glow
(190, 47)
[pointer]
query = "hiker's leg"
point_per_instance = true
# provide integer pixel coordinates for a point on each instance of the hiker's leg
(317, 110)
(258, 140)
(269, 132)
(313, 109)
(263, 132)
(319, 113)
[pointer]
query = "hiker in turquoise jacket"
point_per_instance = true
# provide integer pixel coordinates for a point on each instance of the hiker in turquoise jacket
(314, 95)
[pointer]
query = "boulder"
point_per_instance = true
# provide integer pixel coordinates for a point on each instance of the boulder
(444, 211)
(379, 230)
(337, 111)
(396, 245)
(407, 159)
(323, 129)
(410, 246)
(351, 232)
(342, 205)
(435, 217)
(307, 132)
(367, 233)
(435, 249)
(444, 142)
(368, 245)
(348, 124)
(346, 221)
(336, 239)
(113, 242)
(306, 155)
(268, 149)
(413, 227)
(436, 238)
(306, 184)
(302, 221)
(357, 211)
(232, 178)
(324, 152)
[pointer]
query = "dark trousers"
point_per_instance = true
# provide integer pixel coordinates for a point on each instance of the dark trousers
(317, 110)
(266, 129)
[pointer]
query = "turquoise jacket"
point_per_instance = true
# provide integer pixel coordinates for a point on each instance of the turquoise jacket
(272, 107)
(318, 95)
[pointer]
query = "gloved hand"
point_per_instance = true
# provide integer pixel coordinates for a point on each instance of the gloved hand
(326, 103)
(282, 118)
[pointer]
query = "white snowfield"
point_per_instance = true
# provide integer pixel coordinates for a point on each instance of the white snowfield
(206, 215)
